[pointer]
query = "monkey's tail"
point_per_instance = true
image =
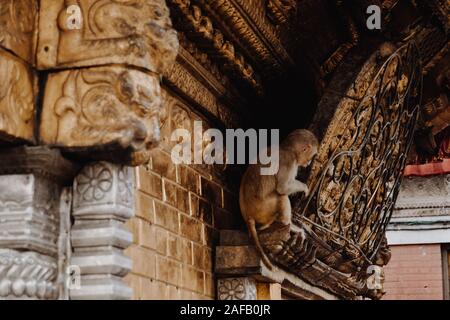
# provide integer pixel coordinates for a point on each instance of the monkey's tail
(254, 234)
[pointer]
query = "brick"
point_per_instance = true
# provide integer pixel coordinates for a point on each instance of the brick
(414, 272)
(174, 247)
(143, 261)
(201, 209)
(133, 225)
(170, 193)
(162, 164)
(198, 254)
(154, 290)
(149, 183)
(208, 259)
(189, 179)
(166, 217)
(185, 294)
(192, 279)
(211, 191)
(202, 257)
(186, 251)
(147, 235)
(210, 289)
(168, 270)
(144, 207)
(161, 241)
(191, 228)
(211, 238)
(134, 282)
(174, 292)
(183, 200)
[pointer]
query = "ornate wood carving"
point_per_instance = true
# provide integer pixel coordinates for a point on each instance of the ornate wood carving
(281, 11)
(101, 107)
(356, 176)
(17, 99)
(18, 19)
(200, 28)
(76, 33)
(353, 39)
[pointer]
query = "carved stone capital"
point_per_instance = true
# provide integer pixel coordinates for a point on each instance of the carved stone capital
(99, 110)
(31, 180)
(104, 191)
(80, 33)
(29, 198)
(17, 97)
(243, 288)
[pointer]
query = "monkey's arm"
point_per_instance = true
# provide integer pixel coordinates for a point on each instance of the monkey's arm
(286, 182)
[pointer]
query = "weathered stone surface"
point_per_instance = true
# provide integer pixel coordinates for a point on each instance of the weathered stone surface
(104, 191)
(76, 33)
(102, 261)
(236, 289)
(33, 249)
(40, 161)
(101, 233)
(18, 22)
(28, 213)
(105, 108)
(237, 260)
(101, 287)
(27, 275)
(234, 238)
(103, 200)
(17, 98)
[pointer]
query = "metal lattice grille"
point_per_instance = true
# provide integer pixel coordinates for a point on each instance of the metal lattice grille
(353, 192)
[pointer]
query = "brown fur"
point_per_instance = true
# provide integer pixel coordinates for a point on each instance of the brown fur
(264, 199)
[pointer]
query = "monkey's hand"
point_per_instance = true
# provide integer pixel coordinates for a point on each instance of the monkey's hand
(290, 187)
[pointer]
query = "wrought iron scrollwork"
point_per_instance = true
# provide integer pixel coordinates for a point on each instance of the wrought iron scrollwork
(356, 176)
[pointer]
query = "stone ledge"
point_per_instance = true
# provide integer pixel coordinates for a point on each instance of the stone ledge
(235, 257)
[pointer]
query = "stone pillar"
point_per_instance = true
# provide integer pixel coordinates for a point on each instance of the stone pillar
(102, 201)
(31, 181)
(101, 102)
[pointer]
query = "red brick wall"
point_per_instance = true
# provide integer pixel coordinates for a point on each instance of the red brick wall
(414, 273)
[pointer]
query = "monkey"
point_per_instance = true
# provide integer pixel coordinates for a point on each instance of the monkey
(264, 199)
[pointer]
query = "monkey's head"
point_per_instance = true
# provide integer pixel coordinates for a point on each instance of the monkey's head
(304, 144)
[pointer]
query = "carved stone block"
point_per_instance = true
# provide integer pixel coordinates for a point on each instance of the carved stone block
(18, 26)
(27, 275)
(101, 287)
(76, 33)
(101, 233)
(28, 213)
(105, 108)
(236, 289)
(107, 261)
(104, 191)
(17, 98)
